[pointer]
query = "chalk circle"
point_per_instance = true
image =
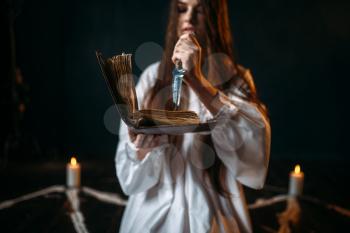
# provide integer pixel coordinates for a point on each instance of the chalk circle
(148, 53)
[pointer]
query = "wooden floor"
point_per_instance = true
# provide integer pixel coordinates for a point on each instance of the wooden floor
(33, 198)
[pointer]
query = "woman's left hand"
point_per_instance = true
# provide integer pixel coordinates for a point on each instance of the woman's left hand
(189, 52)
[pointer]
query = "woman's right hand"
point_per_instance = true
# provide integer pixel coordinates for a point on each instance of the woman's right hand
(145, 143)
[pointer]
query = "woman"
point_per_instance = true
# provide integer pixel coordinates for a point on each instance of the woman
(192, 183)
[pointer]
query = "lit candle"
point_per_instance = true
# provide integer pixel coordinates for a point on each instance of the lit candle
(73, 173)
(296, 181)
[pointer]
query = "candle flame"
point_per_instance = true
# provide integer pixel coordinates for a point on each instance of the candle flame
(73, 161)
(297, 169)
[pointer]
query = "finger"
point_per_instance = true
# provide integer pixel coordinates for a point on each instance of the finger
(192, 36)
(147, 142)
(186, 39)
(186, 64)
(132, 135)
(155, 141)
(183, 54)
(187, 45)
(162, 139)
(139, 140)
(178, 43)
(185, 35)
(179, 55)
(191, 42)
(176, 56)
(184, 57)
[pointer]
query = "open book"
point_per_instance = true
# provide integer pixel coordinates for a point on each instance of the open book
(117, 72)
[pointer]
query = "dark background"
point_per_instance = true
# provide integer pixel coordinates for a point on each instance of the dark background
(297, 51)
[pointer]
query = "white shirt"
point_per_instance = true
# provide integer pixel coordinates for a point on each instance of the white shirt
(166, 191)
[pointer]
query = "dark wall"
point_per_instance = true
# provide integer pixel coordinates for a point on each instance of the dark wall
(295, 50)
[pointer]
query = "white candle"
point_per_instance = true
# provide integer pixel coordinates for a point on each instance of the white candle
(296, 181)
(73, 173)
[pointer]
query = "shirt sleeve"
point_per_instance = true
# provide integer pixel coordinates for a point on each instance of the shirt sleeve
(242, 140)
(136, 175)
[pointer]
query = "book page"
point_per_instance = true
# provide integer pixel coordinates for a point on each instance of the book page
(148, 117)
